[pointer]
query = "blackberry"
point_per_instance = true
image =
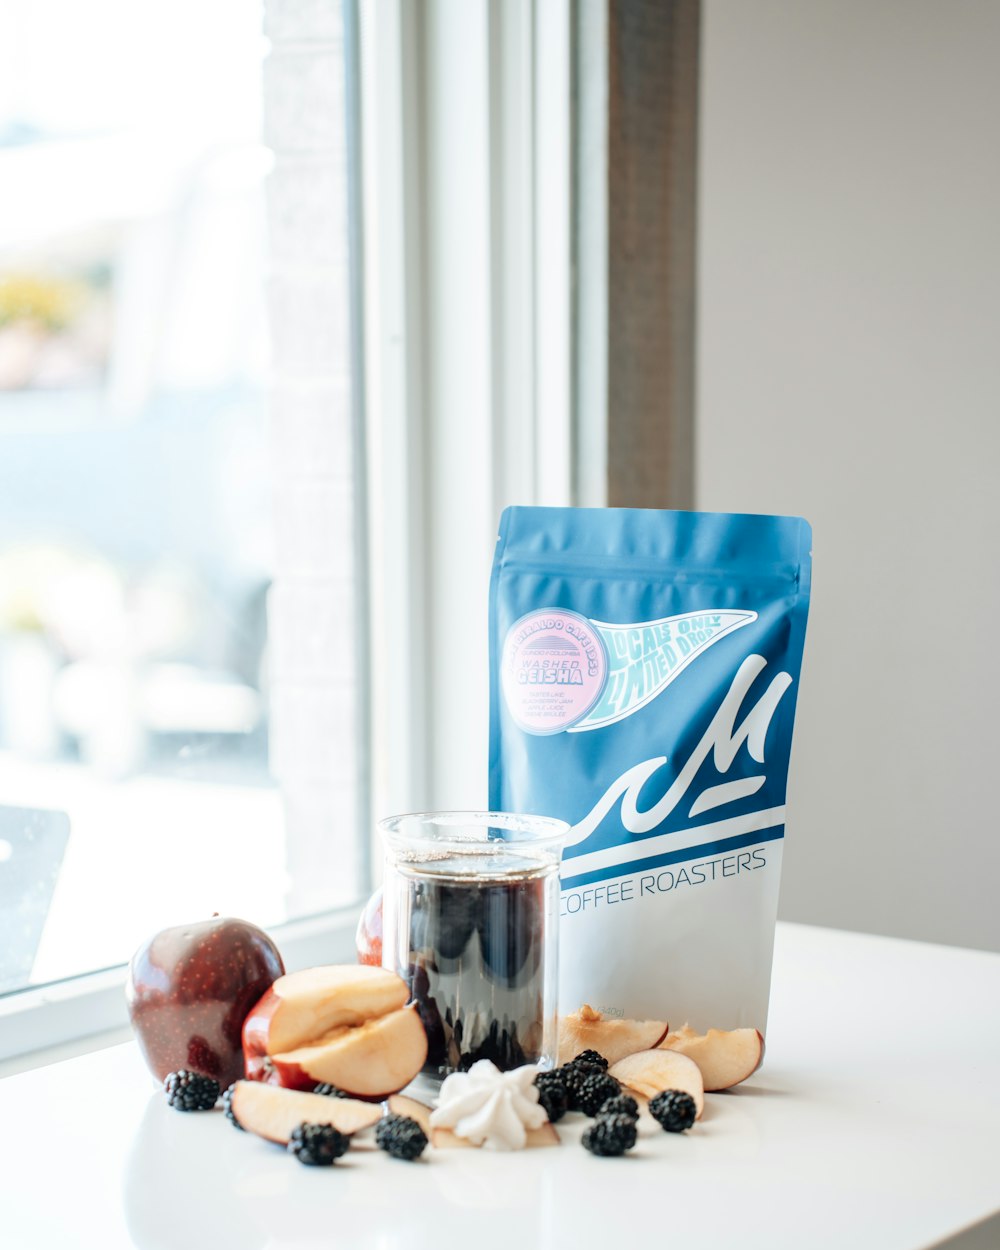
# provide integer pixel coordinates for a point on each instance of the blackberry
(227, 1107)
(621, 1104)
(400, 1137)
(330, 1091)
(573, 1075)
(318, 1145)
(674, 1109)
(594, 1091)
(610, 1135)
(591, 1057)
(552, 1094)
(190, 1091)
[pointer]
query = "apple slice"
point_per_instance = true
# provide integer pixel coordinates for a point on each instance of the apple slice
(273, 1113)
(371, 1060)
(303, 1006)
(587, 1029)
(724, 1057)
(445, 1139)
(650, 1072)
(401, 1104)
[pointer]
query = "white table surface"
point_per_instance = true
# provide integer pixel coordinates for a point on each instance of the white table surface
(875, 1122)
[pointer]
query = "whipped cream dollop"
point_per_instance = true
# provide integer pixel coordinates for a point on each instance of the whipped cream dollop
(490, 1108)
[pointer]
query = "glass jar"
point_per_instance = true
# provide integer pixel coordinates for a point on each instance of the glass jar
(470, 922)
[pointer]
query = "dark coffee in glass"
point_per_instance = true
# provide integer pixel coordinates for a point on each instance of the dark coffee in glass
(470, 922)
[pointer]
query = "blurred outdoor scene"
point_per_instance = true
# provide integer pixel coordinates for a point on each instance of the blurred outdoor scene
(134, 490)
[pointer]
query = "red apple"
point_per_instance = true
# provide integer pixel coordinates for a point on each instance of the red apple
(189, 990)
(368, 939)
(345, 1025)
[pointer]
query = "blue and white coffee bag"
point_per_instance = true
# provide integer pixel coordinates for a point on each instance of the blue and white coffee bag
(644, 675)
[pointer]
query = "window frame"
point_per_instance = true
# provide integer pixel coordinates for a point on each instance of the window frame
(87, 1007)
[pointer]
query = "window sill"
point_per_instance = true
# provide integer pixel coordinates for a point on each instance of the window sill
(44, 1024)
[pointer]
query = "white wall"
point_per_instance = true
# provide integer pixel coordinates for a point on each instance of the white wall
(849, 371)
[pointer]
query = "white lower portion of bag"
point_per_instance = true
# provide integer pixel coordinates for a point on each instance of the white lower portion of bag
(687, 941)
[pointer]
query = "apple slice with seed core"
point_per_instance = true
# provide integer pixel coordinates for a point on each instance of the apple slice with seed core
(303, 1006)
(650, 1072)
(724, 1057)
(371, 1060)
(273, 1112)
(345, 1024)
(587, 1029)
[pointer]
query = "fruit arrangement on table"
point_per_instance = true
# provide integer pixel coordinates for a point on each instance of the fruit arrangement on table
(312, 1059)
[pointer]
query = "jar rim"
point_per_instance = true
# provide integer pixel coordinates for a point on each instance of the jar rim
(470, 829)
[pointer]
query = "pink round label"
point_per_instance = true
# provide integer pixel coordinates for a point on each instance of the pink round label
(553, 669)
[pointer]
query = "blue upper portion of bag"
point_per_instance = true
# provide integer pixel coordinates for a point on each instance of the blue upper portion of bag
(727, 540)
(728, 595)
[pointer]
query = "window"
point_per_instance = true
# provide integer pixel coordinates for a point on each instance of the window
(181, 710)
(460, 135)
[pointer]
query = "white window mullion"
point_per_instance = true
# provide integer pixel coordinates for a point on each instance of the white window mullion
(459, 389)
(553, 252)
(512, 206)
(530, 103)
(590, 144)
(394, 366)
(469, 351)
(316, 687)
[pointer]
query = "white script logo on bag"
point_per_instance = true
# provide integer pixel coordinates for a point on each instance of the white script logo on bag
(722, 739)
